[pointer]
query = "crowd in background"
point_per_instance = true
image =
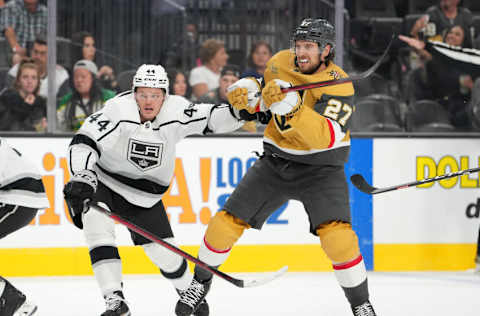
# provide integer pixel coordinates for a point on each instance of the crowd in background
(202, 70)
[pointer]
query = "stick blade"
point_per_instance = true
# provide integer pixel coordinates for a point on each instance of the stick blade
(269, 277)
(360, 183)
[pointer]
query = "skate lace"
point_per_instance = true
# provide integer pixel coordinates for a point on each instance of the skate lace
(364, 310)
(113, 301)
(193, 294)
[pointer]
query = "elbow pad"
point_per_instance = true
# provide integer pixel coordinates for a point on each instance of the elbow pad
(222, 119)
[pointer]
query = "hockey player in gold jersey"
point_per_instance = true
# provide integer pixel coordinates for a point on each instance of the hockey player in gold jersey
(306, 144)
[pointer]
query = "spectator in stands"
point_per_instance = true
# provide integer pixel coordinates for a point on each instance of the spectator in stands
(449, 76)
(39, 55)
(20, 22)
(439, 18)
(435, 22)
(86, 98)
(260, 53)
(83, 47)
(178, 84)
(184, 53)
(229, 75)
(21, 108)
(206, 77)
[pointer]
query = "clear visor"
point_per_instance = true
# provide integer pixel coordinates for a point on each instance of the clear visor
(293, 45)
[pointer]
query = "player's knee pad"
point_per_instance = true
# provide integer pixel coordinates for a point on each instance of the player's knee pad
(98, 228)
(224, 230)
(339, 241)
(163, 258)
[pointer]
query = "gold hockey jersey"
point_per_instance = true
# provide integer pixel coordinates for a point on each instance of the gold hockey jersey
(318, 132)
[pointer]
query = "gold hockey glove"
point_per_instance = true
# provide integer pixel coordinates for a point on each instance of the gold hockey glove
(278, 102)
(242, 94)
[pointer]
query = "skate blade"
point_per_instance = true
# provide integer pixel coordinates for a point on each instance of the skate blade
(26, 309)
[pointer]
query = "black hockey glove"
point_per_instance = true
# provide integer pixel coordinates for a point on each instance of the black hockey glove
(262, 117)
(245, 116)
(78, 192)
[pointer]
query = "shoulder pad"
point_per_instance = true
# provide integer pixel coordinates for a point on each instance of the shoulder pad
(177, 102)
(121, 107)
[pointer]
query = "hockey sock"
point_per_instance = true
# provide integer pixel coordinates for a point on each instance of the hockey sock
(172, 266)
(352, 277)
(222, 233)
(213, 257)
(107, 267)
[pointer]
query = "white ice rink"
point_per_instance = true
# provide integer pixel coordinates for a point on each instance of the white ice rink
(299, 294)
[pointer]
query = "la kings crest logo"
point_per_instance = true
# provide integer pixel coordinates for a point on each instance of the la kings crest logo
(143, 155)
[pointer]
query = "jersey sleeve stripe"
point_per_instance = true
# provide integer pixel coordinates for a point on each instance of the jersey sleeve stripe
(116, 125)
(84, 139)
(332, 133)
(88, 159)
(180, 122)
(27, 184)
(139, 184)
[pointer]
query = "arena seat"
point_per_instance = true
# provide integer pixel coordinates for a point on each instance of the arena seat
(374, 115)
(374, 84)
(420, 6)
(372, 34)
(377, 8)
(428, 116)
(392, 103)
(472, 5)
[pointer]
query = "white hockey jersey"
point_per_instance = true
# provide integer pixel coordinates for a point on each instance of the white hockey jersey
(20, 181)
(137, 160)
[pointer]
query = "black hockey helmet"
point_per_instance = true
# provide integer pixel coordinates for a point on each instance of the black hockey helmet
(319, 31)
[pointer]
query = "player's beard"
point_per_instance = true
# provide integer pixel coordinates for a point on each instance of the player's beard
(313, 69)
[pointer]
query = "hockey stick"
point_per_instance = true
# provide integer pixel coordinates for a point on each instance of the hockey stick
(360, 183)
(178, 251)
(333, 82)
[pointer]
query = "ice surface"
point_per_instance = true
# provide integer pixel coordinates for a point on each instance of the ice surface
(392, 294)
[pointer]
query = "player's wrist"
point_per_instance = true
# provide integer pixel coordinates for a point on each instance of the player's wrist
(87, 176)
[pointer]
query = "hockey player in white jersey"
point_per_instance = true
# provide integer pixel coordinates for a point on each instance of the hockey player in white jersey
(123, 158)
(21, 195)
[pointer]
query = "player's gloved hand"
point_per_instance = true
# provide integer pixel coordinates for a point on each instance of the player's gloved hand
(78, 192)
(278, 102)
(242, 95)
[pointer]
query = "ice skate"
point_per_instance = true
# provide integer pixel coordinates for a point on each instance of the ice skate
(192, 300)
(365, 309)
(26, 309)
(13, 302)
(202, 310)
(116, 305)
